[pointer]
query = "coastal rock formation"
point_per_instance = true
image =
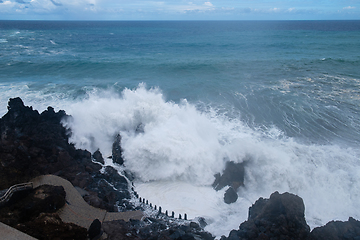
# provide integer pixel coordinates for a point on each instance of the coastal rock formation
(109, 191)
(233, 176)
(337, 230)
(152, 228)
(117, 151)
(230, 196)
(34, 144)
(282, 217)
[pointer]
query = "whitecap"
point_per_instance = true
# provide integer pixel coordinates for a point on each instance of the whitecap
(172, 146)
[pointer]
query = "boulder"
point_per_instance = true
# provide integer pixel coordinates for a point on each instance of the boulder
(94, 231)
(337, 230)
(280, 217)
(230, 196)
(98, 157)
(117, 151)
(232, 176)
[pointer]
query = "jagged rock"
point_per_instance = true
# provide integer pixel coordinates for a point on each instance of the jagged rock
(152, 228)
(117, 151)
(280, 217)
(98, 157)
(103, 187)
(230, 196)
(232, 176)
(337, 230)
(50, 226)
(34, 144)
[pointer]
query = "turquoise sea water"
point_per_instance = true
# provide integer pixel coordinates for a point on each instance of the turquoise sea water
(284, 94)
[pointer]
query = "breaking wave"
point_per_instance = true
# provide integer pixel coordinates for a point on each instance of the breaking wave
(174, 149)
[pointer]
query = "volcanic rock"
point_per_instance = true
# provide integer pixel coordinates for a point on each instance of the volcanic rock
(232, 176)
(280, 217)
(117, 151)
(152, 228)
(34, 144)
(337, 230)
(94, 231)
(230, 196)
(50, 226)
(98, 157)
(111, 188)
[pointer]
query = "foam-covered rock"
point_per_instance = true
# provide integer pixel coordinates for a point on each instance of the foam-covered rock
(233, 176)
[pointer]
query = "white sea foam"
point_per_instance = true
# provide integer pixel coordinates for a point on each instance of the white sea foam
(175, 149)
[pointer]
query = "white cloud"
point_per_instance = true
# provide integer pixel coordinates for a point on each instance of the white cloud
(290, 9)
(190, 7)
(155, 9)
(274, 9)
(349, 7)
(8, 3)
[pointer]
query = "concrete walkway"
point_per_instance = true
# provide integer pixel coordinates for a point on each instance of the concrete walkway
(10, 233)
(76, 210)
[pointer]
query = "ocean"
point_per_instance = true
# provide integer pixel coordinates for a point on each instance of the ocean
(188, 96)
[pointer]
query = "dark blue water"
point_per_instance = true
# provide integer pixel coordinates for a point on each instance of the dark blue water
(273, 90)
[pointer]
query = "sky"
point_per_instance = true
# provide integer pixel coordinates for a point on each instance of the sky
(180, 10)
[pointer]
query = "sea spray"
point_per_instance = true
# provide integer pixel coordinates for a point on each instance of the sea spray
(174, 149)
(282, 95)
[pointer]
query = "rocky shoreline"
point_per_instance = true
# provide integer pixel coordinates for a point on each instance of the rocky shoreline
(34, 144)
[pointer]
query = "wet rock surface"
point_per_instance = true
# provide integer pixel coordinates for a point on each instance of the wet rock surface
(282, 217)
(103, 195)
(152, 228)
(233, 177)
(34, 144)
(337, 230)
(230, 196)
(117, 151)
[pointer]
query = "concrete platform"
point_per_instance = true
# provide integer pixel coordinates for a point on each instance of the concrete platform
(9, 233)
(76, 210)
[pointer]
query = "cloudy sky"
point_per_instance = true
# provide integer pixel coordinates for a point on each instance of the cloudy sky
(179, 9)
